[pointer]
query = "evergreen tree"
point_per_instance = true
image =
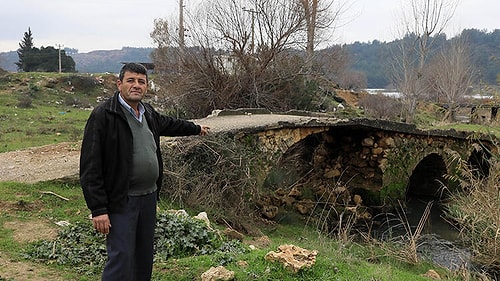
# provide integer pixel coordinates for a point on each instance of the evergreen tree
(45, 59)
(67, 62)
(25, 52)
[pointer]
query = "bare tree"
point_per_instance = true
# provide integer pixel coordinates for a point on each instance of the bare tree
(425, 19)
(162, 39)
(320, 16)
(160, 33)
(238, 54)
(333, 63)
(423, 22)
(452, 74)
(407, 77)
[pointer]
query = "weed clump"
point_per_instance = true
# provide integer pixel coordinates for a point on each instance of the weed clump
(176, 236)
(214, 174)
(476, 210)
(25, 102)
(181, 236)
(78, 246)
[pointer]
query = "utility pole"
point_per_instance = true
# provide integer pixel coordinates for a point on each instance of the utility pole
(60, 64)
(181, 28)
(252, 12)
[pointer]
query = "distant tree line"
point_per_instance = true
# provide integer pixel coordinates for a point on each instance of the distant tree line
(266, 57)
(45, 59)
(371, 58)
(367, 60)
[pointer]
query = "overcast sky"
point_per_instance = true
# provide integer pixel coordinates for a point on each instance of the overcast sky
(89, 25)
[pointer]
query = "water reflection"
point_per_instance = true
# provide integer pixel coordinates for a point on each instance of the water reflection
(437, 239)
(435, 224)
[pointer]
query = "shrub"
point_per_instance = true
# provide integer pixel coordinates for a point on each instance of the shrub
(34, 87)
(215, 174)
(380, 106)
(477, 212)
(25, 102)
(176, 236)
(81, 83)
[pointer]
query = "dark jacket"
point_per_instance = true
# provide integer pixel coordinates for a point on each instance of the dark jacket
(106, 153)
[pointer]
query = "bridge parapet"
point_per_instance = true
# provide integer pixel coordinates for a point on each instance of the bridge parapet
(375, 159)
(281, 139)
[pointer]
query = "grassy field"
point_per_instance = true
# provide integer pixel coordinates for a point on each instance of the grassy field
(45, 108)
(32, 204)
(41, 108)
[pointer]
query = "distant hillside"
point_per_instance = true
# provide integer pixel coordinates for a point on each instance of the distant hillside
(8, 60)
(109, 61)
(370, 58)
(91, 62)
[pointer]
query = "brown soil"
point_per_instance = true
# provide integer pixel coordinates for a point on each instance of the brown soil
(24, 271)
(40, 163)
(27, 231)
(31, 231)
(29, 166)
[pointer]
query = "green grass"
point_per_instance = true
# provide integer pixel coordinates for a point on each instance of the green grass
(335, 261)
(27, 127)
(30, 204)
(35, 111)
(37, 201)
(482, 129)
(34, 201)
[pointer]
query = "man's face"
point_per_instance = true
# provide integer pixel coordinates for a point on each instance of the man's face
(133, 87)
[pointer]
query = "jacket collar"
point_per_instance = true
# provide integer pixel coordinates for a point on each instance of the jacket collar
(115, 107)
(114, 104)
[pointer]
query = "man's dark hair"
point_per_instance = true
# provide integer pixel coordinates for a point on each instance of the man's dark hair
(134, 68)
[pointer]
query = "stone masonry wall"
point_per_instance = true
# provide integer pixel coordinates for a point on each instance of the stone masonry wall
(351, 165)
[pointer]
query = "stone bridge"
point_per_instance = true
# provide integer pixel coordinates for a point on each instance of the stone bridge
(379, 161)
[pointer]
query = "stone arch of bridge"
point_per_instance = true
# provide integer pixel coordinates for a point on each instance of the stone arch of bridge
(478, 160)
(431, 177)
(371, 155)
(280, 140)
(327, 159)
(428, 178)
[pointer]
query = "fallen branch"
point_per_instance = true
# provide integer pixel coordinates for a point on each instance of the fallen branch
(55, 194)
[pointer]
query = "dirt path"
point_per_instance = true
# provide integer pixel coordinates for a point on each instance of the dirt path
(61, 160)
(29, 166)
(40, 163)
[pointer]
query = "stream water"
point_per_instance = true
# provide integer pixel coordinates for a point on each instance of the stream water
(438, 241)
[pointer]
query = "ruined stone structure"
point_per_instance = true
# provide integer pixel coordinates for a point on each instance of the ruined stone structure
(376, 161)
(320, 167)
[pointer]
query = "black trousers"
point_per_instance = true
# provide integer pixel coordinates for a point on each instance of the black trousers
(130, 241)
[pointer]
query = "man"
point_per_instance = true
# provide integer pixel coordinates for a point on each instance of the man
(121, 173)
